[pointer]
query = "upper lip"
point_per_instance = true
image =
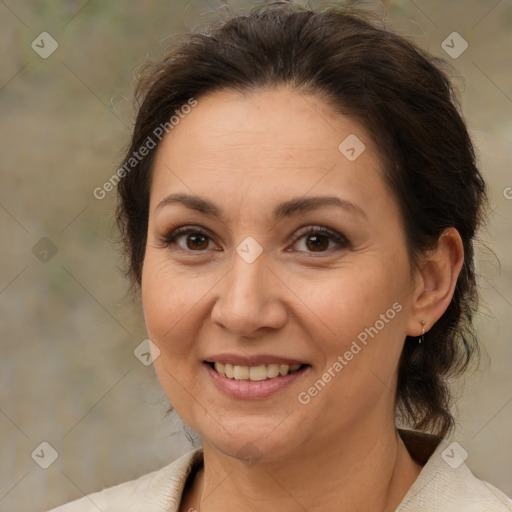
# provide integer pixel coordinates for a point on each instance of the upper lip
(254, 360)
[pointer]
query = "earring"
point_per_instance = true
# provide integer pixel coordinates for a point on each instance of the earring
(422, 337)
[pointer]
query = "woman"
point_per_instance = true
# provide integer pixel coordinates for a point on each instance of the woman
(298, 207)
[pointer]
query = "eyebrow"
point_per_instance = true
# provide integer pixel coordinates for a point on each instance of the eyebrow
(286, 209)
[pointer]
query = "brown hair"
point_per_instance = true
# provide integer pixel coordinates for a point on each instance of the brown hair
(406, 103)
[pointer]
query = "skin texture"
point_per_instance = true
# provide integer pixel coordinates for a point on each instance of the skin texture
(247, 154)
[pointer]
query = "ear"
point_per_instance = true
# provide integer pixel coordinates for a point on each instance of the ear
(435, 282)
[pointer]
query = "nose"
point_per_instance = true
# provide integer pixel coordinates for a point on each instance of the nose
(250, 299)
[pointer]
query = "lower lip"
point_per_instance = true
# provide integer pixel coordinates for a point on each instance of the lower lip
(248, 389)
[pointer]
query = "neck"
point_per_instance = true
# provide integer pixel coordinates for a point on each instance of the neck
(368, 471)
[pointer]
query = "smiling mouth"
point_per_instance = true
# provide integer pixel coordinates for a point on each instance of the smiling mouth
(254, 373)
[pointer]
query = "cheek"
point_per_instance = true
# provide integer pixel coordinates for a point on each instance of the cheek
(168, 300)
(359, 366)
(362, 314)
(354, 299)
(168, 305)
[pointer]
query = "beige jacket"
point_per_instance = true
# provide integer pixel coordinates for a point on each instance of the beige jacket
(444, 485)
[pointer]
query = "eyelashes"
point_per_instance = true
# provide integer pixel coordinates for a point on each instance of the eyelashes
(170, 239)
(200, 239)
(319, 232)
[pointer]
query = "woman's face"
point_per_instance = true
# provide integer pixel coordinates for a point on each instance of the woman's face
(256, 284)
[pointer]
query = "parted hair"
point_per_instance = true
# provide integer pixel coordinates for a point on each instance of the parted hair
(404, 99)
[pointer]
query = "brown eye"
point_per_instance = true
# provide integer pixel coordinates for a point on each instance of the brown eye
(195, 240)
(320, 239)
(317, 242)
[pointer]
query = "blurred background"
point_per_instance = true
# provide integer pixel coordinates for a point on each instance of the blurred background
(69, 377)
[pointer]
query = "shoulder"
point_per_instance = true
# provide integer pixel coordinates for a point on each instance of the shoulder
(159, 491)
(446, 484)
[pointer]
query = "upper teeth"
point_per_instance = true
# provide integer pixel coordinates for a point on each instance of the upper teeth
(261, 372)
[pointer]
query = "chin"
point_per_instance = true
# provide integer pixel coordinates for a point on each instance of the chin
(252, 438)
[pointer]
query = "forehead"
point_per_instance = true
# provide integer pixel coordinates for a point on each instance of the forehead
(271, 141)
(279, 119)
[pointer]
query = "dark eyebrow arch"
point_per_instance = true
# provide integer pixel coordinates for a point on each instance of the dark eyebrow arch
(286, 209)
